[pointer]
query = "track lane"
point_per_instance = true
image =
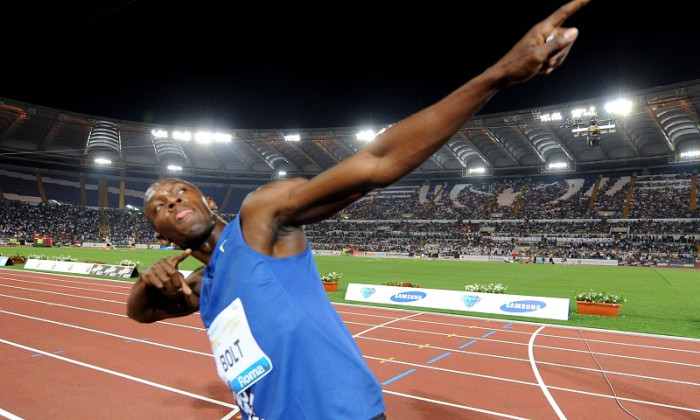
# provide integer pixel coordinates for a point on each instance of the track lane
(431, 364)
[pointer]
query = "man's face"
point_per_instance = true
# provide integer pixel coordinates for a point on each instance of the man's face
(179, 212)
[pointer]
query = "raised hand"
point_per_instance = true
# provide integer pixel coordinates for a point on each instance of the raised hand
(543, 48)
(161, 291)
(165, 276)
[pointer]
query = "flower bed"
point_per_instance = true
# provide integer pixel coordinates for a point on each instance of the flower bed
(591, 302)
(486, 288)
(401, 284)
(600, 297)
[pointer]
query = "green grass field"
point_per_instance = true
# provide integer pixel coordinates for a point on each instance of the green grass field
(663, 301)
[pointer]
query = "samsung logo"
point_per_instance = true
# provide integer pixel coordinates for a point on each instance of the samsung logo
(523, 306)
(408, 296)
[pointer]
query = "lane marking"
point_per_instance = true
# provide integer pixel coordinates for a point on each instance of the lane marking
(387, 323)
(9, 415)
(564, 338)
(467, 344)
(107, 333)
(78, 308)
(568, 349)
(463, 407)
(519, 359)
(122, 375)
(543, 387)
(388, 381)
(63, 286)
(49, 292)
(66, 278)
(439, 357)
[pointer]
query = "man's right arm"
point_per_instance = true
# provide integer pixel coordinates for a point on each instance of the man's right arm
(401, 148)
(161, 291)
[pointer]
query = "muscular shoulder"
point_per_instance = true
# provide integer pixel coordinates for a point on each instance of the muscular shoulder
(273, 196)
(265, 221)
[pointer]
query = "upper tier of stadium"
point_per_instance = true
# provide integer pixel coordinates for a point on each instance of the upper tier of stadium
(660, 130)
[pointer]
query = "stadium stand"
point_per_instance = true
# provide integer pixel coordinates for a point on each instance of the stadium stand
(631, 198)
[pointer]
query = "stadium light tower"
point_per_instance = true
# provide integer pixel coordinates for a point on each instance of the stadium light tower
(586, 122)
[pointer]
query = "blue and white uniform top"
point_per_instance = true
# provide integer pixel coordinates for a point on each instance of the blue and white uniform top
(277, 340)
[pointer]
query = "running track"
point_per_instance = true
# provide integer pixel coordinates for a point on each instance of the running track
(67, 351)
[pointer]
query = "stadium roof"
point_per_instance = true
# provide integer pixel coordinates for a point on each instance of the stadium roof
(663, 123)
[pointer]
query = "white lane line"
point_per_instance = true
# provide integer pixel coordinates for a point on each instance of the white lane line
(9, 415)
(63, 286)
(123, 337)
(463, 407)
(95, 311)
(122, 375)
(543, 387)
(386, 323)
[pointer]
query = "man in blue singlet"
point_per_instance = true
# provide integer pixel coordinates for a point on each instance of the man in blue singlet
(278, 342)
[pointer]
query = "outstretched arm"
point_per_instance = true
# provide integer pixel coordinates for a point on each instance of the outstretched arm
(161, 291)
(401, 148)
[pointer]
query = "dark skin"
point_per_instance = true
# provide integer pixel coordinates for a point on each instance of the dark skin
(272, 217)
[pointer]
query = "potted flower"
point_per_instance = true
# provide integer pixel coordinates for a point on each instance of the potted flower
(599, 303)
(18, 259)
(330, 281)
(130, 263)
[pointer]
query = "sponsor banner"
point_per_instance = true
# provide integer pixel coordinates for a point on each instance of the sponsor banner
(86, 268)
(59, 266)
(397, 254)
(93, 244)
(592, 262)
(681, 265)
(114, 270)
(376, 254)
(492, 303)
(478, 258)
(325, 252)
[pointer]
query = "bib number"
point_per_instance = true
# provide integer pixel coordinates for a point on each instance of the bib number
(240, 361)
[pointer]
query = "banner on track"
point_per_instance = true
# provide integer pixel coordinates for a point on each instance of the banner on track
(125, 271)
(59, 266)
(492, 303)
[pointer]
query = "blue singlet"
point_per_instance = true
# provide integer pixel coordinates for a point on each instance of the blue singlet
(305, 361)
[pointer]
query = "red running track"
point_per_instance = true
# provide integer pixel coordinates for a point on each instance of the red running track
(67, 351)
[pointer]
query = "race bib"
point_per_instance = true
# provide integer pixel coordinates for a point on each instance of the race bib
(240, 361)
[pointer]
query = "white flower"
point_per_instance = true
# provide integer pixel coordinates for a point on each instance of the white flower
(332, 277)
(486, 288)
(603, 297)
(130, 263)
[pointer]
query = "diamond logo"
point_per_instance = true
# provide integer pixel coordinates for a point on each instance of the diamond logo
(368, 291)
(470, 300)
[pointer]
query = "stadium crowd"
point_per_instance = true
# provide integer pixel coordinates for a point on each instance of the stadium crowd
(589, 217)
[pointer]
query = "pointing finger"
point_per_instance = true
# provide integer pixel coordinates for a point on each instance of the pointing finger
(179, 258)
(557, 18)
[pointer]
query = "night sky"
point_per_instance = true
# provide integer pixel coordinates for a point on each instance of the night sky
(263, 66)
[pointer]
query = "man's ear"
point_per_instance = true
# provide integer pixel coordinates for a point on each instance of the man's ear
(212, 204)
(163, 240)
